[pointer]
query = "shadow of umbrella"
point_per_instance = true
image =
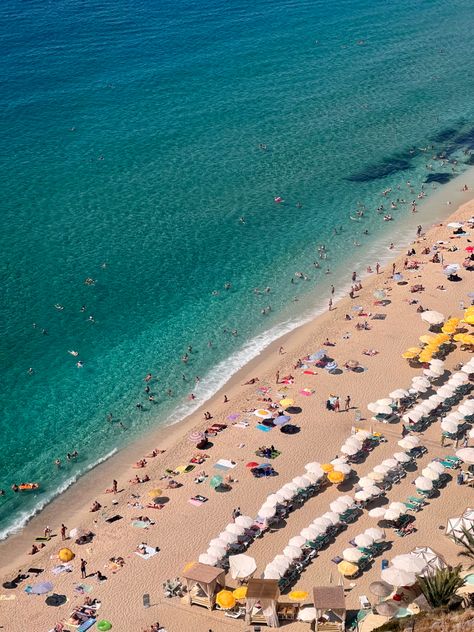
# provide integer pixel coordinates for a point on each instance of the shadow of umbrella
(161, 500)
(56, 600)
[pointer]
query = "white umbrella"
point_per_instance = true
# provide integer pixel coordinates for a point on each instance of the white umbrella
(449, 426)
(468, 368)
(466, 455)
(436, 399)
(344, 468)
(322, 522)
(430, 474)
(373, 407)
(398, 506)
(339, 460)
(363, 540)
(381, 469)
(244, 521)
(362, 435)
(217, 551)
(347, 500)
(363, 495)
(423, 483)
(218, 542)
(446, 392)
(313, 477)
(377, 534)
(353, 440)
(455, 415)
(437, 362)
(408, 563)
(352, 554)
(318, 530)
(281, 565)
(436, 466)
(235, 528)
(365, 481)
(314, 468)
(293, 552)
(392, 464)
(377, 512)
(309, 533)
(391, 514)
(432, 317)
(410, 441)
(419, 379)
(290, 486)
(210, 560)
(272, 500)
(338, 507)
(373, 490)
(76, 533)
(241, 566)
(307, 614)
(385, 401)
(397, 577)
(432, 373)
(413, 415)
(301, 482)
(286, 494)
(466, 410)
(401, 457)
(271, 572)
(297, 540)
(332, 516)
(398, 393)
(228, 538)
(267, 512)
(384, 410)
(349, 449)
(471, 433)
(376, 476)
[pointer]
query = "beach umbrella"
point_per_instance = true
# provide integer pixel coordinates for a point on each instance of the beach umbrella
(398, 506)
(373, 490)
(215, 481)
(386, 608)
(154, 493)
(209, 560)
(338, 507)
(77, 532)
(362, 435)
(272, 500)
(446, 392)
(398, 577)
(271, 572)
(423, 483)
(262, 413)
(352, 440)
(307, 614)
(471, 433)
(347, 568)
(66, 555)
(41, 588)
(391, 514)
(309, 533)
(408, 563)
(436, 466)
(377, 512)
(298, 595)
(384, 410)
(314, 467)
(363, 540)
(398, 393)
(291, 487)
(377, 534)
(298, 541)
(217, 551)
(451, 268)
(352, 554)
(432, 318)
(235, 528)
(352, 364)
(228, 538)
(241, 566)
(281, 564)
(411, 439)
(316, 529)
(430, 474)
(401, 457)
(225, 599)
(342, 468)
(449, 426)
(287, 402)
(436, 399)
(301, 482)
(381, 469)
(384, 401)
(293, 552)
(56, 600)
(286, 494)
(267, 512)
(381, 589)
(336, 477)
(281, 420)
(313, 478)
(376, 476)
(252, 464)
(332, 516)
(244, 521)
(196, 437)
(322, 522)
(347, 500)
(466, 455)
(373, 407)
(327, 467)
(466, 410)
(240, 593)
(349, 449)
(365, 481)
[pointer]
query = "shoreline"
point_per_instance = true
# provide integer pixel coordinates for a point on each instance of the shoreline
(320, 439)
(167, 435)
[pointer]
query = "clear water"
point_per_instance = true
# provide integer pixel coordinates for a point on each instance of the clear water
(130, 136)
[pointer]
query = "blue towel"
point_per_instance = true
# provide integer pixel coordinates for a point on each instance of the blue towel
(263, 428)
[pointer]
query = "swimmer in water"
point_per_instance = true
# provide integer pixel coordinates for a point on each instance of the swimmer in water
(74, 353)
(91, 319)
(59, 307)
(79, 364)
(30, 371)
(83, 308)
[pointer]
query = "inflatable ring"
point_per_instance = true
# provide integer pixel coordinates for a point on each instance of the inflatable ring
(104, 625)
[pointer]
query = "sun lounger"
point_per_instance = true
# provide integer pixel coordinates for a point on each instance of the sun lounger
(412, 506)
(364, 602)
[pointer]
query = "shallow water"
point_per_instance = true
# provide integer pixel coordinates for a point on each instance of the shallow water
(130, 137)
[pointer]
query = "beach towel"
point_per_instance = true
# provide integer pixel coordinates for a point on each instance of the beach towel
(233, 417)
(150, 552)
(35, 571)
(379, 316)
(198, 500)
(309, 372)
(225, 464)
(83, 588)
(62, 568)
(86, 625)
(141, 524)
(307, 392)
(263, 428)
(184, 469)
(7, 597)
(241, 424)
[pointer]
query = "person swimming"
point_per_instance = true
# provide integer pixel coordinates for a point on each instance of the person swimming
(74, 353)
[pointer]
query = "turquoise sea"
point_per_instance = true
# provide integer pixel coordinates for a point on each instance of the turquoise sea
(135, 135)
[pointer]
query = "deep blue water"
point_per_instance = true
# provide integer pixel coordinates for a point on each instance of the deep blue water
(130, 136)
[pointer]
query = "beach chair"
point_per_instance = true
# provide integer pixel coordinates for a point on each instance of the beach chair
(412, 506)
(416, 500)
(364, 602)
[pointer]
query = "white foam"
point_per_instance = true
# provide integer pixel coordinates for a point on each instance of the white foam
(24, 517)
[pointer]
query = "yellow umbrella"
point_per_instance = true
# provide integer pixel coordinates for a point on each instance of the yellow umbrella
(298, 595)
(153, 493)
(327, 467)
(426, 339)
(469, 319)
(336, 477)
(347, 568)
(287, 402)
(425, 357)
(441, 338)
(225, 599)
(66, 555)
(240, 592)
(409, 355)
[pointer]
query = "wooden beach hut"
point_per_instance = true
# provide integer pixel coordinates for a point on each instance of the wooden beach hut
(203, 583)
(261, 602)
(330, 605)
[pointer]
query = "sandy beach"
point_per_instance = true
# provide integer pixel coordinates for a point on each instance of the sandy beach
(183, 530)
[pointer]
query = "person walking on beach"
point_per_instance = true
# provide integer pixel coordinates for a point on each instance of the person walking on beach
(330, 304)
(347, 403)
(63, 532)
(114, 486)
(277, 377)
(332, 290)
(377, 267)
(337, 405)
(83, 568)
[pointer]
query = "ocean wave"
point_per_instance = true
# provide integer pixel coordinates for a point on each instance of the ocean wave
(25, 516)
